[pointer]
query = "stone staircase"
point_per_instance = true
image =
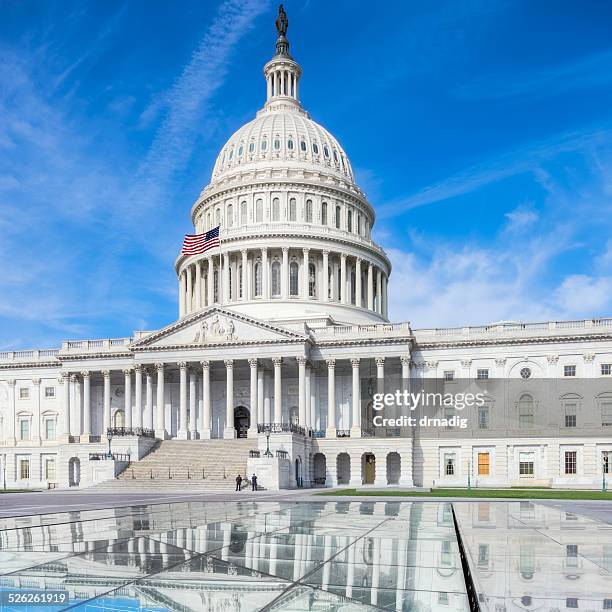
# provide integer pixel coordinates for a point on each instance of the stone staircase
(203, 465)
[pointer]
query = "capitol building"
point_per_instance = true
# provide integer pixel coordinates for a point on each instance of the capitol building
(281, 342)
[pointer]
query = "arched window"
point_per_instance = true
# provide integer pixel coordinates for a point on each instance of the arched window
(264, 144)
(292, 210)
(230, 215)
(338, 217)
(326, 152)
(275, 209)
(119, 419)
(308, 211)
(359, 224)
(324, 213)
(259, 211)
(349, 221)
(208, 221)
(526, 411)
(243, 213)
(303, 145)
(290, 144)
(276, 278)
(231, 154)
(312, 280)
(218, 215)
(335, 156)
(240, 150)
(258, 280)
(315, 148)
(216, 286)
(276, 144)
(330, 280)
(293, 278)
(251, 146)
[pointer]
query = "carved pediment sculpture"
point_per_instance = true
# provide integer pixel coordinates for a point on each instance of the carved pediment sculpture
(214, 329)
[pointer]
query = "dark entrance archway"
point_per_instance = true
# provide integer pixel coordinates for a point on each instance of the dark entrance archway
(242, 421)
(74, 472)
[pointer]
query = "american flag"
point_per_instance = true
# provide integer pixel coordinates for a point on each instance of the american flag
(195, 244)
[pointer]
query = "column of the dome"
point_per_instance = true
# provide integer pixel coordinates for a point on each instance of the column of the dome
(211, 281)
(378, 291)
(343, 299)
(198, 285)
(384, 295)
(225, 281)
(325, 278)
(189, 291)
(370, 286)
(358, 282)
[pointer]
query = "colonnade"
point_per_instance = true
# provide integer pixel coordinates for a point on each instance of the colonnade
(267, 273)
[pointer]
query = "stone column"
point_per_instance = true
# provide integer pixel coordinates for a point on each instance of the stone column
(313, 397)
(356, 417)
(343, 279)
(35, 433)
(254, 412)
(225, 274)
(182, 431)
(189, 299)
(127, 372)
(331, 399)
(205, 422)
(301, 391)
(149, 424)
(305, 264)
(265, 276)
(261, 416)
(193, 413)
(358, 282)
(137, 411)
(278, 398)
(210, 283)
(106, 422)
(285, 274)
(307, 396)
(378, 291)
(198, 285)
(370, 287)
(325, 296)
(384, 295)
(86, 405)
(245, 292)
(160, 408)
(229, 431)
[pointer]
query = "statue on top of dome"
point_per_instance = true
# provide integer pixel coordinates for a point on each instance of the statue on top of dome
(282, 23)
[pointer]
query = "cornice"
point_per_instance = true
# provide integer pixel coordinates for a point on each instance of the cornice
(226, 345)
(99, 355)
(29, 364)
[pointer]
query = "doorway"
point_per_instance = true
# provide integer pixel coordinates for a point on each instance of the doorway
(369, 468)
(74, 472)
(242, 421)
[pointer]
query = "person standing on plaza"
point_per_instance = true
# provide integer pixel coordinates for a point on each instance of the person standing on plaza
(238, 482)
(254, 482)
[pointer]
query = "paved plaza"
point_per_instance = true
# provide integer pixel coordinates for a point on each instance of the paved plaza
(299, 551)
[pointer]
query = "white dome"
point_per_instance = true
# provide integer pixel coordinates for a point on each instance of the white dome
(281, 137)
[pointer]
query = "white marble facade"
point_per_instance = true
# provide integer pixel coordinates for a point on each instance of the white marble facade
(287, 323)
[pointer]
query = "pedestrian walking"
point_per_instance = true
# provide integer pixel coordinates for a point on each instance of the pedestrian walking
(238, 482)
(254, 482)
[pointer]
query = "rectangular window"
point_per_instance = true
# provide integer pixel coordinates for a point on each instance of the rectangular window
(24, 393)
(484, 512)
(569, 370)
(606, 369)
(50, 469)
(449, 464)
(24, 469)
(571, 602)
(483, 464)
(50, 429)
(570, 462)
(24, 429)
(605, 462)
(443, 598)
(49, 392)
(606, 414)
(324, 213)
(482, 374)
(483, 417)
(570, 415)
(607, 604)
(526, 461)
(483, 555)
(449, 375)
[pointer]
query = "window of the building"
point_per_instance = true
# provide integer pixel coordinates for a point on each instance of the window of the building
(315, 148)
(349, 221)
(525, 373)
(293, 278)
(292, 210)
(482, 374)
(240, 150)
(50, 469)
(449, 464)
(570, 462)
(335, 156)
(483, 464)
(326, 151)
(571, 602)
(483, 417)
(526, 464)
(258, 279)
(251, 147)
(446, 558)
(484, 512)
(119, 418)
(359, 224)
(49, 429)
(303, 145)
(569, 370)
(24, 429)
(290, 144)
(275, 209)
(276, 144)
(49, 392)
(443, 598)
(243, 213)
(571, 555)
(259, 211)
(312, 280)
(218, 216)
(483, 555)
(308, 211)
(230, 215)
(324, 213)
(24, 469)
(276, 278)
(605, 462)
(606, 414)
(570, 415)
(264, 144)
(338, 213)
(449, 375)
(607, 604)
(526, 411)
(231, 154)
(606, 369)
(24, 393)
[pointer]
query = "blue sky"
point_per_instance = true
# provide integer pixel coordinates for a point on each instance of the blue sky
(480, 130)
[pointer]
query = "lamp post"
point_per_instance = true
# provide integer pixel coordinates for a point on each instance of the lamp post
(268, 453)
(109, 436)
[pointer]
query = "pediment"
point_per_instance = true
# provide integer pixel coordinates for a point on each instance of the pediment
(215, 326)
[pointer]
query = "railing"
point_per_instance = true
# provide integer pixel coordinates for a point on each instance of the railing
(111, 457)
(367, 433)
(281, 428)
(94, 439)
(130, 431)
(254, 454)
(282, 454)
(105, 344)
(33, 355)
(369, 329)
(319, 433)
(343, 433)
